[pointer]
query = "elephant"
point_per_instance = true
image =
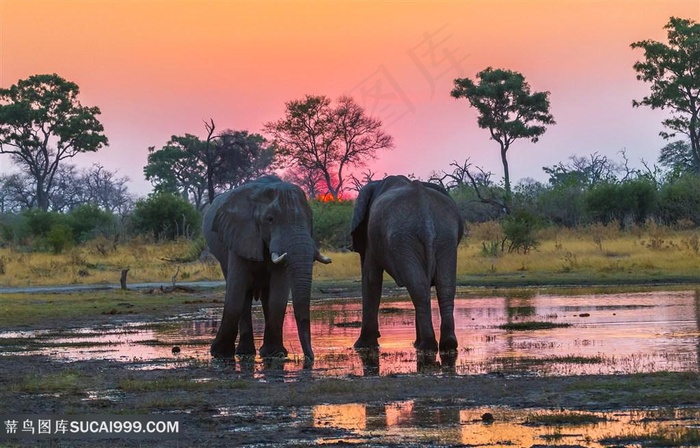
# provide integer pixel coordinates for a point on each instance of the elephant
(411, 230)
(262, 235)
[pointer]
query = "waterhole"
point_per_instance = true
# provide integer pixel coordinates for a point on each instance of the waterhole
(591, 334)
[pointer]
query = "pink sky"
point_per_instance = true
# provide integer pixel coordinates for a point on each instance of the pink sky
(160, 68)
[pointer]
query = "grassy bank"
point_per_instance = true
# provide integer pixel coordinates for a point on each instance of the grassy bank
(598, 255)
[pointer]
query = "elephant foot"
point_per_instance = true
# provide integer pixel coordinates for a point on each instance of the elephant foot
(308, 362)
(221, 350)
(426, 345)
(366, 343)
(270, 351)
(448, 343)
(245, 350)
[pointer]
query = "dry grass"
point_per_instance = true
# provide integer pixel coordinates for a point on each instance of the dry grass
(596, 252)
(96, 263)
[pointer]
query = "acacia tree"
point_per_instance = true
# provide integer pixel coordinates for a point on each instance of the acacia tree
(318, 138)
(43, 123)
(673, 70)
(507, 109)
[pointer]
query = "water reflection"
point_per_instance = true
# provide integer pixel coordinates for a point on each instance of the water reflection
(608, 334)
(415, 422)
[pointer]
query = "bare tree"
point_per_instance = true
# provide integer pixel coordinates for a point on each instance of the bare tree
(367, 177)
(17, 192)
(318, 138)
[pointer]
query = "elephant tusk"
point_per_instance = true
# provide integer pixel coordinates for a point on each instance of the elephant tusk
(322, 258)
(278, 258)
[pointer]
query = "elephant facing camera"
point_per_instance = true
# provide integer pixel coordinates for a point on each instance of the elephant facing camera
(261, 234)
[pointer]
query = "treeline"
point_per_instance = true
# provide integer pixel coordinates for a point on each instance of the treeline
(50, 205)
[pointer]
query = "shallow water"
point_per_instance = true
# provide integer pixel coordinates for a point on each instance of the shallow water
(614, 333)
(416, 422)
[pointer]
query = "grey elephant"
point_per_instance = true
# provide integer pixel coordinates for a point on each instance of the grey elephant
(411, 230)
(262, 235)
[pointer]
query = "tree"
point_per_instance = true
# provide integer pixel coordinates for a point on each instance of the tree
(319, 138)
(673, 70)
(104, 189)
(507, 109)
(195, 168)
(176, 168)
(16, 193)
(678, 157)
(43, 123)
(241, 157)
(583, 172)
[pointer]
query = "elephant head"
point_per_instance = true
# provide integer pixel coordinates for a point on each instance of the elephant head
(267, 227)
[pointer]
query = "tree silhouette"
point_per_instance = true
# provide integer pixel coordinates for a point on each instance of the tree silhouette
(42, 123)
(507, 109)
(673, 70)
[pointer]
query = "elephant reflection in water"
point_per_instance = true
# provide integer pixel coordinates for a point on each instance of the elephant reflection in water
(261, 234)
(411, 230)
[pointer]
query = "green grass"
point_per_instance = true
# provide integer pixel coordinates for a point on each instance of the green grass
(37, 308)
(68, 382)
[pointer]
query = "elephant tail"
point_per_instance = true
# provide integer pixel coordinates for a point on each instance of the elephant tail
(427, 237)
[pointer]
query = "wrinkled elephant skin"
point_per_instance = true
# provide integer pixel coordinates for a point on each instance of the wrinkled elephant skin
(411, 230)
(261, 234)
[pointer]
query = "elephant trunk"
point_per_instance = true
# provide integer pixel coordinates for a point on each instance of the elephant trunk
(299, 268)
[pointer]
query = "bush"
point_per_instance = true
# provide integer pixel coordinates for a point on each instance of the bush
(165, 216)
(332, 222)
(88, 221)
(679, 201)
(520, 230)
(59, 237)
(630, 201)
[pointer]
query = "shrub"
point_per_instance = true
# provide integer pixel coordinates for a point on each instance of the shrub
(680, 200)
(633, 200)
(520, 230)
(88, 221)
(165, 216)
(332, 222)
(59, 237)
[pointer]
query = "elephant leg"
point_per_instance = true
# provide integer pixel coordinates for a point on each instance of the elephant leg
(246, 343)
(224, 345)
(276, 308)
(445, 290)
(372, 278)
(419, 290)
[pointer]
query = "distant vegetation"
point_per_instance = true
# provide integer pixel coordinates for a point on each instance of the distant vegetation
(50, 206)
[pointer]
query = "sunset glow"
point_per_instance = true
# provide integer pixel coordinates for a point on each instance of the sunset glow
(160, 68)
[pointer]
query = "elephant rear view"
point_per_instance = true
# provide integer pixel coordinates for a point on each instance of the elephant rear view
(411, 230)
(261, 234)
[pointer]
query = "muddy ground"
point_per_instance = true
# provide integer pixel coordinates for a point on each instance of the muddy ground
(220, 404)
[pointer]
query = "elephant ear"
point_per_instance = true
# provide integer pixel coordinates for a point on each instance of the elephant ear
(236, 226)
(360, 215)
